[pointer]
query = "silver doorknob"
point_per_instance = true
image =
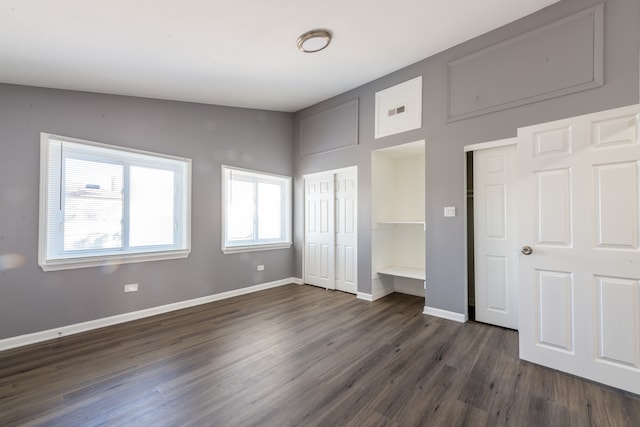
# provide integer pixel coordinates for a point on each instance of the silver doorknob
(526, 250)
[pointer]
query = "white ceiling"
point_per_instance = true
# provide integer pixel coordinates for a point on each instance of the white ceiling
(238, 53)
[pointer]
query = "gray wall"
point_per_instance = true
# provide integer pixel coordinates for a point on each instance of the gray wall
(445, 252)
(31, 300)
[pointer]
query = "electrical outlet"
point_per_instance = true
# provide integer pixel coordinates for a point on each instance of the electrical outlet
(133, 287)
(261, 267)
(450, 211)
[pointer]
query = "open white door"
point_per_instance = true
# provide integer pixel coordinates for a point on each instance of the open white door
(346, 205)
(579, 216)
(319, 266)
(495, 239)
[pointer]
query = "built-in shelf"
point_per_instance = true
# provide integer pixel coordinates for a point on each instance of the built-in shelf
(401, 222)
(398, 213)
(408, 272)
(394, 222)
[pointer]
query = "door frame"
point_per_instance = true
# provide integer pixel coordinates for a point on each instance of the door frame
(467, 149)
(305, 177)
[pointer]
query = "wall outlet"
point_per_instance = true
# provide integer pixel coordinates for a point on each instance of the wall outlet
(450, 211)
(261, 267)
(133, 287)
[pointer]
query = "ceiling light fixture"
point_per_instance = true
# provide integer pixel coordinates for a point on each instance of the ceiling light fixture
(314, 41)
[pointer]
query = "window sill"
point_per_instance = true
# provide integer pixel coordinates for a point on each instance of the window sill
(254, 248)
(99, 261)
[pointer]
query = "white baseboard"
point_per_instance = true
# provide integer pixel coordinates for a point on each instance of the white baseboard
(375, 296)
(36, 337)
(364, 297)
(297, 281)
(449, 315)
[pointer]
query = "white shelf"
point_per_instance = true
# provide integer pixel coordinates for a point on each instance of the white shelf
(411, 273)
(401, 222)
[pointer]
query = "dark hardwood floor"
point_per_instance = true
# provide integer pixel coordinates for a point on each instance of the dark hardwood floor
(297, 356)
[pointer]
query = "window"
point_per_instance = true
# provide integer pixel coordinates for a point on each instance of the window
(101, 204)
(256, 211)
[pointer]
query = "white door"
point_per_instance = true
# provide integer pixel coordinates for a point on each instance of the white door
(495, 240)
(579, 211)
(319, 265)
(346, 205)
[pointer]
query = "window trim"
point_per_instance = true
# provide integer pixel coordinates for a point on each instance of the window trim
(71, 262)
(288, 223)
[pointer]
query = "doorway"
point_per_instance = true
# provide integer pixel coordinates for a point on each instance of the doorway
(492, 233)
(579, 230)
(578, 246)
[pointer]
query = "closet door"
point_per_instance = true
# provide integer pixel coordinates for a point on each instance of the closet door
(495, 240)
(346, 205)
(319, 231)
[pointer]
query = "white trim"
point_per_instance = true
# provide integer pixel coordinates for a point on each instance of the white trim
(44, 136)
(491, 144)
(297, 281)
(255, 248)
(99, 261)
(36, 337)
(444, 314)
(407, 272)
(364, 296)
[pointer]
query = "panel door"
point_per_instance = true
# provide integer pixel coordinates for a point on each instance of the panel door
(580, 215)
(495, 240)
(319, 263)
(346, 206)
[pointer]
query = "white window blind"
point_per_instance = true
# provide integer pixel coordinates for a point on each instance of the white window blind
(103, 204)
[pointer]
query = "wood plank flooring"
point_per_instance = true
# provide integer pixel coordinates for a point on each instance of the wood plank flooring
(297, 356)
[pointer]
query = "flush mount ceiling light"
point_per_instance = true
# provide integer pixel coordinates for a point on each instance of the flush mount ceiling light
(314, 41)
